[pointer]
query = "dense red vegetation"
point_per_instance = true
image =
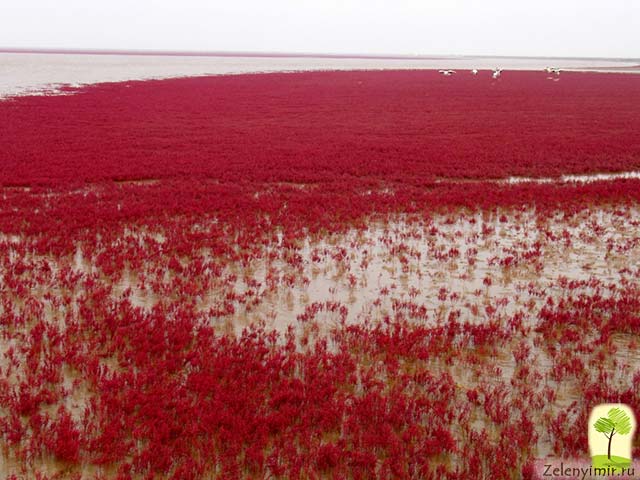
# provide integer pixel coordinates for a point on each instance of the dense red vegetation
(180, 190)
(365, 127)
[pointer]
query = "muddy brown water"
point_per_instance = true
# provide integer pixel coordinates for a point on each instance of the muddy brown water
(449, 262)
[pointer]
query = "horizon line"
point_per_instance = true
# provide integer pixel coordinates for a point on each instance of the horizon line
(276, 54)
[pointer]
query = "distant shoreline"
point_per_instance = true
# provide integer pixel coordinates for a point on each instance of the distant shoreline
(188, 53)
(29, 71)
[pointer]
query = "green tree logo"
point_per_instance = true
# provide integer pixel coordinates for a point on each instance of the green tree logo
(616, 421)
(611, 421)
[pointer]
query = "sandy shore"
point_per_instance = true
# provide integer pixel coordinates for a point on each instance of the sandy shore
(27, 73)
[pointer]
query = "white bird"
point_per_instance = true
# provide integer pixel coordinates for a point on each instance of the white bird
(496, 72)
(474, 71)
(552, 70)
(447, 73)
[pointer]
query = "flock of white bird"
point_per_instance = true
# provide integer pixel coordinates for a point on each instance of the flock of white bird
(498, 71)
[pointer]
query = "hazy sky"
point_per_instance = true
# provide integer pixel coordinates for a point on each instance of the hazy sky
(510, 27)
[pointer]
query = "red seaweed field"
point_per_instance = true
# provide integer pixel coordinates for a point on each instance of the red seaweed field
(364, 274)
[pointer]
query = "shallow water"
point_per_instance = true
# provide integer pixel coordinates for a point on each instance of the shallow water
(379, 271)
(575, 178)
